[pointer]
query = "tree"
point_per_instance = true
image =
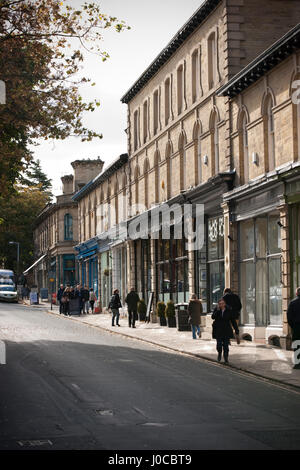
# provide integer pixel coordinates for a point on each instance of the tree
(34, 177)
(41, 55)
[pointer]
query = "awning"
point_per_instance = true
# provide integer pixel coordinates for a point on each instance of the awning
(34, 264)
(86, 254)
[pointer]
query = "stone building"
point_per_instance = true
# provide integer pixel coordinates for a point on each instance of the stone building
(179, 139)
(262, 210)
(211, 121)
(56, 231)
(101, 253)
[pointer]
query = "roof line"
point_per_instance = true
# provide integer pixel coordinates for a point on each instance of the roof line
(114, 166)
(185, 31)
(266, 61)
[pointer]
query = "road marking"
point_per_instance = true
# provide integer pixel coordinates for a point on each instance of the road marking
(76, 386)
(35, 443)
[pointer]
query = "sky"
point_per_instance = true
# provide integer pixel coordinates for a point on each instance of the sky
(153, 23)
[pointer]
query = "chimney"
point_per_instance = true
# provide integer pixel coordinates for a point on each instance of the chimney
(85, 171)
(67, 183)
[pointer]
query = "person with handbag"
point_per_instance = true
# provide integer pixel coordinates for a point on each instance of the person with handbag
(93, 299)
(223, 326)
(195, 311)
(114, 306)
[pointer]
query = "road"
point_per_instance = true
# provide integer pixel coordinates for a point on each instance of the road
(70, 386)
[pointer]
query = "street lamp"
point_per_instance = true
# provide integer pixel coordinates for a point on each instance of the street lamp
(18, 254)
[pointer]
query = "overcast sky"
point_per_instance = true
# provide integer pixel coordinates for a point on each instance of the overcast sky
(153, 23)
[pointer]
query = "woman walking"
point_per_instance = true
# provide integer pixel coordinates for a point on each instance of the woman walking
(195, 311)
(223, 325)
(93, 299)
(114, 305)
(66, 301)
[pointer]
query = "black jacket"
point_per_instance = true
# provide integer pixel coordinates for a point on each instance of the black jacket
(115, 302)
(60, 293)
(85, 294)
(223, 324)
(132, 300)
(293, 317)
(233, 301)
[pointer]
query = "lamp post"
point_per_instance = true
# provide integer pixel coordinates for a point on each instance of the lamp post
(18, 254)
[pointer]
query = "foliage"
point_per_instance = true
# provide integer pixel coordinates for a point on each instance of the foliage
(161, 309)
(41, 58)
(170, 309)
(18, 216)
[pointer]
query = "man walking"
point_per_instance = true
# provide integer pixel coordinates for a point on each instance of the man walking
(132, 300)
(233, 301)
(293, 317)
(60, 293)
(114, 305)
(85, 297)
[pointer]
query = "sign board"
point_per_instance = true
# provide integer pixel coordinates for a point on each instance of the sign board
(51, 279)
(44, 293)
(150, 302)
(34, 298)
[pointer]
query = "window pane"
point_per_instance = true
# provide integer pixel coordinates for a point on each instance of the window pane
(248, 292)
(274, 235)
(246, 239)
(261, 237)
(261, 292)
(216, 283)
(275, 292)
(182, 281)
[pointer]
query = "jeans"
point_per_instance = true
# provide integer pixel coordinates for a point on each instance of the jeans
(223, 345)
(115, 315)
(194, 329)
(85, 306)
(132, 314)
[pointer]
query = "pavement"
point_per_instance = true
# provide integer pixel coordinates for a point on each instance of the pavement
(68, 384)
(262, 360)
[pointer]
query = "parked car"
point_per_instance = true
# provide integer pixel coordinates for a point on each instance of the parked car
(8, 293)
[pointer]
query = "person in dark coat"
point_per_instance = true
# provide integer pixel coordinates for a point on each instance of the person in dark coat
(293, 317)
(114, 305)
(223, 325)
(132, 300)
(84, 296)
(60, 294)
(195, 311)
(66, 301)
(233, 301)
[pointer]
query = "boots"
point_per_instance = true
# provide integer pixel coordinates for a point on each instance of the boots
(226, 358)
(219, 356)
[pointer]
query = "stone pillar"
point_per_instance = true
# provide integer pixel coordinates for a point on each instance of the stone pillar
(191, 271)
(130, 264)
(230, 250)
(154, 286)
(285, 272)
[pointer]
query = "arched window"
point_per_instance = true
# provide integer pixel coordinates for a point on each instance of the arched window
(212, 60)
(243, 150)
(116, 208)
(157, 176)
(269, 134)
(197, 134)
(214, 144)
(180, 89)
(183, 169)
(146, 182)
(68, 224)
(136, 130)
(145, 121)
(169, 170)
(195, 75)
(167, 100)
(136, 182)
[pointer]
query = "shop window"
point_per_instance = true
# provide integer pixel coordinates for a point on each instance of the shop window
(68, 227)
(260, 271)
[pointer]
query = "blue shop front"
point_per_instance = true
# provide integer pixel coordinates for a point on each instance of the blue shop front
(87, 259)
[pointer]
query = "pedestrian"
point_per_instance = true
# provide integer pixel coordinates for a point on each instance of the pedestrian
(114, 305)
(85, 297)
(223, 323)
(66, 301)
(59, 296)
(233, 301)
(92, 299)
(195, 311)
(293, 317)
(132, 300)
